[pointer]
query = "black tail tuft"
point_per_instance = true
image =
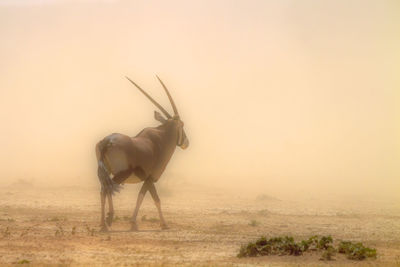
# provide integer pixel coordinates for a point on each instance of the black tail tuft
(107, 184)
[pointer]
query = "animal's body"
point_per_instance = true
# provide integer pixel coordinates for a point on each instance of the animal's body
(142, 158)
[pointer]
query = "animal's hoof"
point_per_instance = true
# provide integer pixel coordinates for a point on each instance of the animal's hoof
(164, 226)
(104, 228)
(109, 219)
(134, 227)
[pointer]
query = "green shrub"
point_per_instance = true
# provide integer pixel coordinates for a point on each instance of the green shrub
(273, 246)
(325, 242)
(356, 251)
(287, 246)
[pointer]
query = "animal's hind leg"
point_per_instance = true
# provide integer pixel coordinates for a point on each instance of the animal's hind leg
(110, 215)
(139, 201)
(157, 202)
(103, 225)
(118, 178)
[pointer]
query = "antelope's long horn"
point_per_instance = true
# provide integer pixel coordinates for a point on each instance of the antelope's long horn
(150, 98)
(169, 96)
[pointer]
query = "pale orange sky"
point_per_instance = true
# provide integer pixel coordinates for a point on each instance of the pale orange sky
(284, 94)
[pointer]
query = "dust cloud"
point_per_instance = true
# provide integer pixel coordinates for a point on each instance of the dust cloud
(278, 97)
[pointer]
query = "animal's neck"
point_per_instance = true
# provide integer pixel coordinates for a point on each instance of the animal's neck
(166, 146)
(169, 135)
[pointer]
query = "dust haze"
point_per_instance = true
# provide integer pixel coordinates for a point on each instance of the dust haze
(282, 99)
(282, 95)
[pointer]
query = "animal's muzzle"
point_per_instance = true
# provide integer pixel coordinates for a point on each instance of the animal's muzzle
(185, 144)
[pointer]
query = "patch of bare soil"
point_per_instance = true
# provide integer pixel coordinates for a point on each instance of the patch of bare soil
(59, 226)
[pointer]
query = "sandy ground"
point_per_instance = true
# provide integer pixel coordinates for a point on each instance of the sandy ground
(59, 226)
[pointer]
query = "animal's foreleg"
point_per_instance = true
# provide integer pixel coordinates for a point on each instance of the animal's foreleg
(157, 202)
(110, 215)
(103, 204)
(139, 201)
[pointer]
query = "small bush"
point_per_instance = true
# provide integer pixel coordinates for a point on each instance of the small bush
(356, 251)
(287, 246)
(250, 250)
(325, 242)
(273, 246)
(309, 244)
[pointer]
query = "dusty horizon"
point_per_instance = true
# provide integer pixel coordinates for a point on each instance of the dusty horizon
(274, 95)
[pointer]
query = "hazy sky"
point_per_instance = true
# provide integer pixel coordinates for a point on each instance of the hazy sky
(287, 94)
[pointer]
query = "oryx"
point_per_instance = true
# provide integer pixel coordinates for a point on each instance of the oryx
(143, 158)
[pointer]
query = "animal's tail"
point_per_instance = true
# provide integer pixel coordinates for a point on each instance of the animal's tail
(107, 184)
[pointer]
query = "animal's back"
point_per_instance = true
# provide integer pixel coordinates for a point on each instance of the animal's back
(123, 154)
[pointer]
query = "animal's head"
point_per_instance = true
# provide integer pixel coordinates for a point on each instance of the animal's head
(174, 121)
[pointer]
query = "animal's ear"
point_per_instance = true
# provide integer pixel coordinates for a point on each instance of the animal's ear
(159, 117)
